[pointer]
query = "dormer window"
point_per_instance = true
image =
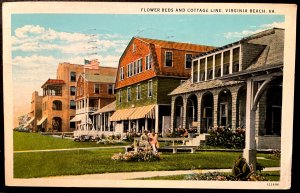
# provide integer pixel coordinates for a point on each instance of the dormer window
(169, 59)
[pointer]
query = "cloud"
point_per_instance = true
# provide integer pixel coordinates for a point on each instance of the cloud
(35, 38)
(240, 34)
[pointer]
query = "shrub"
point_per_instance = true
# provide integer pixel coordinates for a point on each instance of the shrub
(137, 156)
(226, 137)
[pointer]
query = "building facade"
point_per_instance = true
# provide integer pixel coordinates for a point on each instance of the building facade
(58, 103)
(94, 91)
(218, 92)
(148, 70)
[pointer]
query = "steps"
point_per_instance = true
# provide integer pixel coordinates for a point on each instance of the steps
(197, 140)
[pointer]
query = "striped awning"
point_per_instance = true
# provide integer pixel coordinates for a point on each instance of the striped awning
(81, 117)
(42, 120)
(143, 112)
(122, 114)
(30, 121)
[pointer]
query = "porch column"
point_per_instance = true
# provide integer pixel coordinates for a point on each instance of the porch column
(184, 108)
(199, 97)
(233, 107)
(101, 122)
(250, 148)
(172, 114)
(230, 61)
(215, 113)
(146, 124)
(129, 125)
(156, 118)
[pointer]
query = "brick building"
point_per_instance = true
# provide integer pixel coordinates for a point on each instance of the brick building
(236, 85)
(94, 91)
(58, 104)
(148, 70)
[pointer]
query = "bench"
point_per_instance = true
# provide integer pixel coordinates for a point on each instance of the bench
(174, 148)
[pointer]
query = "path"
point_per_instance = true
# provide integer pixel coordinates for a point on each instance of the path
(146, 174)
(68, 149)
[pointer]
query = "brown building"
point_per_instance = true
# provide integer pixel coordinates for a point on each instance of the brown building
(94, 91)
(58, 104)
(149, 69)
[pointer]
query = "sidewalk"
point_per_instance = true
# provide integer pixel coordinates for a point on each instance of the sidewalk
(147, 174)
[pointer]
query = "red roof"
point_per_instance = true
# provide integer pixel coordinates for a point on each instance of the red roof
(177, 45)
(53, 81)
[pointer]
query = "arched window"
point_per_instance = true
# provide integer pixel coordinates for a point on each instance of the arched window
(57, 105)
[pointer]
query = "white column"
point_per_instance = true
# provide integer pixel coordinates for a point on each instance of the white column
(105, 123)
(214, 61)
(205, 68)
(101, 122)
(198, 78)
(156, 118)
(129, 125)
(222, 58)
(250, 147)
(240, 59)
(230, 61)
(146, 124)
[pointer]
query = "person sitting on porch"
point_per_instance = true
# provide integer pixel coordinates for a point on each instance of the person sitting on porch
(185, 133)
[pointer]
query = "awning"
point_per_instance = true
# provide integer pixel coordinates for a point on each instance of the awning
(143, 112)
(108, 108)
(42, 120)
(80, 117)
(122, 114)
(30, 121)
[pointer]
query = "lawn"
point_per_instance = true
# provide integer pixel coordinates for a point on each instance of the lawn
(39, 164)
(76, 162)
(36, 141)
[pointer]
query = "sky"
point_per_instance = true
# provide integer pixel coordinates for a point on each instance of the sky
(41, 41)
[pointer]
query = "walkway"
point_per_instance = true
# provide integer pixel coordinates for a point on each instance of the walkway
(147, 174)
(69, 149)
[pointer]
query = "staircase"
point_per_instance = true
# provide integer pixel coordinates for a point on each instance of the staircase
(197, 140)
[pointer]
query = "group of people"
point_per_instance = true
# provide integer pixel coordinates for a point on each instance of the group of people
(149, 139)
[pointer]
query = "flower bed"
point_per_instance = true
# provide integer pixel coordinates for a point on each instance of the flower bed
(137, 156)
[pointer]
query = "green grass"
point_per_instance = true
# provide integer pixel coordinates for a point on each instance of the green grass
(76, 162)
(39, 164)
(270, 176)
(36, 141)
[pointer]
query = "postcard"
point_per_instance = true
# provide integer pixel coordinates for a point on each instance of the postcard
(148, 95)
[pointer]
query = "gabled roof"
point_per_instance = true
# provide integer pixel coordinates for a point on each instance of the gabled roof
(53, 82)
(177, 45)
(111, 107)
(99, 78)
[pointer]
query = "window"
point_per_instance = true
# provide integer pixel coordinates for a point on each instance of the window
(169, 59)
(139, 66)
(150, 88)
(134, 68)
(57, 105)
(122, 74)
(73, 76)
(128, 94)
(120, 96)
(72, 90)
(97, 88)
(209, 67)
(72, 124)
(195, 71)
(226, 61)
(188, 60)
(202, 69)
(138, 92)
(110, 89)
(236, 60)
(218, 65)
(72, 104)
(148, 62)
(133, 47)
(223, 114)
(129, 70)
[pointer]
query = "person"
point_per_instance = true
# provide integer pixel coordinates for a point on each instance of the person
(144, 140)
(185, 133)
(153, 141)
